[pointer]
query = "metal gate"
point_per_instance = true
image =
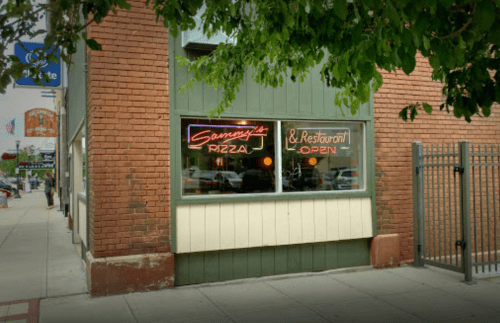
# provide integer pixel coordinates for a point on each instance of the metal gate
(456, 201)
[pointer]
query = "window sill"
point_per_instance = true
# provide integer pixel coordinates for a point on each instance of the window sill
(260, 197)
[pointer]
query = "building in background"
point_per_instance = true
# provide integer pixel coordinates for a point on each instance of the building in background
(281, 183)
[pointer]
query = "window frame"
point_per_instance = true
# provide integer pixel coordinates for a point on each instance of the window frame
(278, 193)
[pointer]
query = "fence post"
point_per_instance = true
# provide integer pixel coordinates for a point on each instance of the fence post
(465, 210)
(418, 206)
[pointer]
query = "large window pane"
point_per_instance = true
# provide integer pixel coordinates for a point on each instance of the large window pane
(227, 156)
(322, 156)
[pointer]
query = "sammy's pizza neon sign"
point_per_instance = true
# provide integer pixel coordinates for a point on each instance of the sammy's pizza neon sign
(226, 139)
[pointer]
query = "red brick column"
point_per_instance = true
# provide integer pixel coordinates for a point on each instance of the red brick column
(393, 139)
(129, 154)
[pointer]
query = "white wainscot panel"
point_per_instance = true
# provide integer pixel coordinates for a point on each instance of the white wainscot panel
(82, 217)
(219, 226)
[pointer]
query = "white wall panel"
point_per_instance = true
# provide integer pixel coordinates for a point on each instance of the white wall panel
(241, 230)
(332, 220)
(295, 221)
(197, 214)
(254, 224)
(82, 216)
(356, 218)
(205, 227)
(227, 226)
(269, 223)
(183, 228)
(320, 220)
(282, 225)
(344, 219)
(307, 214)
(212, 227)
(366, 207)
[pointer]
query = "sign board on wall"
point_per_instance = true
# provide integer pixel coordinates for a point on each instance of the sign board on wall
(35, 165)
(52, 69)
(40, 123)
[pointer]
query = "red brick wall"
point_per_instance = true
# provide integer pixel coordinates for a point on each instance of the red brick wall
(393, 140)
(128, 134)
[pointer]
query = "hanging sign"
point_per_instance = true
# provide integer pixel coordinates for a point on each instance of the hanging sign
(40, 123)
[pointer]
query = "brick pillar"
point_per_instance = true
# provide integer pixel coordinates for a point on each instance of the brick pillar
(129, 154)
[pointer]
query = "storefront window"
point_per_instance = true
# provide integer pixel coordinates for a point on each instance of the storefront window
(322, 156)
(227, 156)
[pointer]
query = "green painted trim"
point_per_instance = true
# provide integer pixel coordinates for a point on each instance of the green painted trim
(174, 125)
(263, 115)
(87, 182)
(370, 166)
(84, 251)
(202, 267)
(238, 198)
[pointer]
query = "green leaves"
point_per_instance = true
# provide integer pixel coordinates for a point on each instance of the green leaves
(93, 44)
(340, 8)
(280, 39)
(427, 108)
(484, 15)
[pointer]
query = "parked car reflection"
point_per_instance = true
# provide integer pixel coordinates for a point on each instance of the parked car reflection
(346, 179)
(257, 181)
(228, 181)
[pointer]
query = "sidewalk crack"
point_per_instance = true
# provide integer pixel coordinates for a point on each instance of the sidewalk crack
(130, 309)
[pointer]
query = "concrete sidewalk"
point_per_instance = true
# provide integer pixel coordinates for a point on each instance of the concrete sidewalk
(37, 260)
(404, 294)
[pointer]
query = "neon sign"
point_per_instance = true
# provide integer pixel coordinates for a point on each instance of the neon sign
(306, 141)
(225, 141)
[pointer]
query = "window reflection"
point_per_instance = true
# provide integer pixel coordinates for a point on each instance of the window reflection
(322, 156)
(227, 156)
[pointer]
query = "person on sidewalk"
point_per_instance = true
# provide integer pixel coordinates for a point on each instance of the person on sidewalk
(49, 189)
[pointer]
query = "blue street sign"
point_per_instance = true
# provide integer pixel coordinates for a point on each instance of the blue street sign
(52, 69)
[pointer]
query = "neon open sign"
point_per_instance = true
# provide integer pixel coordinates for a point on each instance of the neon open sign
(322, 141)
(226, 139)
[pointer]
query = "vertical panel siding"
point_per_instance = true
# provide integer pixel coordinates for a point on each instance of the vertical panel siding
(307, 213)
(332, 220)
(320, 220)
(366, 208)
(282, 225)
(344, 219)
(193, 268)
(183, 229)
(197, 225)
(212, 227)
(227, 226)
(295, 221)
(241, 230)
(294, 99)
(82, 216)
(269, 223)
(206, 227)
(356, 218)
(254, 224)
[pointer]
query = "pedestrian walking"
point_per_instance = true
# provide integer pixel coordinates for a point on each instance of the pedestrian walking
(49, 189)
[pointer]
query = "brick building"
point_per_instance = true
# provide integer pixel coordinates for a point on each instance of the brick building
(166, 205)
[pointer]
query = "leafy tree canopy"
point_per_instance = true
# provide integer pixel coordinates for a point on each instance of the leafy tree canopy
(286, 38)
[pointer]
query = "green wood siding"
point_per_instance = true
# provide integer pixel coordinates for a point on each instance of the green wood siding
(204, 267)
(311, 99)
(77, 90)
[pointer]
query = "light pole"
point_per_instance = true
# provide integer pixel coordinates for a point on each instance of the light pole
(17, 196)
